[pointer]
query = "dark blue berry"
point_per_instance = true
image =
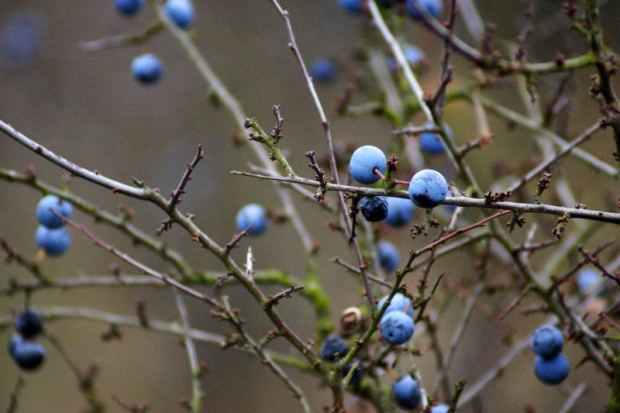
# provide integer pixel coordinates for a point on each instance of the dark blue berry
(374, 208)
(147, 68)
(334, 348)
(547, 341)
(28, 323)
(27, 354)
(406, 392)
(552, 371)
(323, 70)
(129, 7)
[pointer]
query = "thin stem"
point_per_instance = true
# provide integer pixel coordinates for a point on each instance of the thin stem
(398, 53)
(190, 348)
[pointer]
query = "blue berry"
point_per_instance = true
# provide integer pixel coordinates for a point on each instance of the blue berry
(363, 163)
(21, 37)
(334, 348)
(50, 203)
(399, 303)
(440, 408)
(254, 215)
(400, 212)
(432, 6)
(431, 143)
(323, 70)
(587, 279)
(547, 341)
(28, 323)
(147, 68)
(129, 7)
(413, 54)
(396, 327)
(53, 241)
(28, 355)
(428, 188)
(374, 208)
(553, 370)
(181, 12)
(406, 392)
(356, 6)
(389, 257)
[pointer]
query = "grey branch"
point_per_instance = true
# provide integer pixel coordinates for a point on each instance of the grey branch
(579, 213)
(76, 170)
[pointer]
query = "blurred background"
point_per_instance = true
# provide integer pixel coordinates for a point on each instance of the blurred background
(88, 108)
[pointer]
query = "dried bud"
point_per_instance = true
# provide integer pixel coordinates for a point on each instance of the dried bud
(350, 319)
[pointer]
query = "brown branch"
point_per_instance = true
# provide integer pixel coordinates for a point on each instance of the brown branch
(275, 299)
(176, 194)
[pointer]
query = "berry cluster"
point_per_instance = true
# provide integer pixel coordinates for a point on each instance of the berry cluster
(396, 328)
(25, 352)
(52, 235)
(427, 189)
(335, 348)
(550, 365)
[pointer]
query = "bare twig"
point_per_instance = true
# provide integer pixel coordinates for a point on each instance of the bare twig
(95, 177)
(274, 300)
(176, 194)
(195, 368)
